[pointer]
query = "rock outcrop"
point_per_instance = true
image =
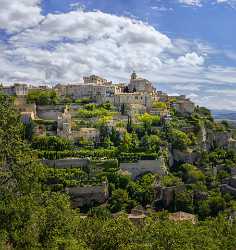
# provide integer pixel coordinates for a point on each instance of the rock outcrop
(229, 186)
(187, 156)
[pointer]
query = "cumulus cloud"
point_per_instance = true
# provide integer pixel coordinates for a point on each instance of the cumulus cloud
(17, 15)
(191, 59)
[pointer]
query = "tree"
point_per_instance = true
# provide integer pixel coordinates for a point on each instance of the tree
(191, 174)
(115, 137)
(43, 97)
(148, 120)
(126, 142)
(53, 143)
(184, 201)
(129, 125)
(100, 212)
(179, 139)
(31, 218)
(119, 200)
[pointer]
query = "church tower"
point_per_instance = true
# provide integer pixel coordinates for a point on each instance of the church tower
(133, 76)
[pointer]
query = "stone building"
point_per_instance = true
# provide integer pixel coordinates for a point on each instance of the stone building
(89, 90)
(140, 98)
(96, 79)
(184, 105)
(17, 89)
(140, 84)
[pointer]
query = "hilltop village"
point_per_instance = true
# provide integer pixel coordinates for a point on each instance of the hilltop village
(129, 147)
(138, 97)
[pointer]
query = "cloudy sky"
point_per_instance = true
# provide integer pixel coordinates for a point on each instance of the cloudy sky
(182, 46)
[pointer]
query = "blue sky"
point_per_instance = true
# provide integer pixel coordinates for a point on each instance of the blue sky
(182, 46)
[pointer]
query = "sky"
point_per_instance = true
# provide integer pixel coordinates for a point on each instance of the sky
(182, 46)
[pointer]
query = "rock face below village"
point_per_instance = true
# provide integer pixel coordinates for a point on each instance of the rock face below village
(186, 156)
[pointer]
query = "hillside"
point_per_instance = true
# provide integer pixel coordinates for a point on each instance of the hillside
(80, 174)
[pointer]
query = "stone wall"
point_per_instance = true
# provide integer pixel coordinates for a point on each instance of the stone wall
(67, 163)
(166, 195)
(229, 186)
(144, 166)
(49, 112)
(88, 195)
(233, 171)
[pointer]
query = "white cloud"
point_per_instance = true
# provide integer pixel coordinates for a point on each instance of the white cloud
(200, 3)
(64, 47)
(191, 59)
(231, 3)
(191, 2)
(17, 15)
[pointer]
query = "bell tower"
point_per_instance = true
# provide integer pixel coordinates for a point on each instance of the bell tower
(133, 76)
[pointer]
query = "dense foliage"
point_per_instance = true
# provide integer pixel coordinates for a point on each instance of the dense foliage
(43, 97)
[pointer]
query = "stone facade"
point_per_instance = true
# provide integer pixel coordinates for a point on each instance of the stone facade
(89, 90)
(144, 166)
(138, 84)
(96, 79)
(183, 105)
(16, 90)
(88, 195)
(68, 163)
(139, 98)
(50, 112)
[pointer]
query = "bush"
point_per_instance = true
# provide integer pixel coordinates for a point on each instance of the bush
(179, 139)
(51, 143)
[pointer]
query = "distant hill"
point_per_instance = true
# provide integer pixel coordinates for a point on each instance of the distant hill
(224, 115)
